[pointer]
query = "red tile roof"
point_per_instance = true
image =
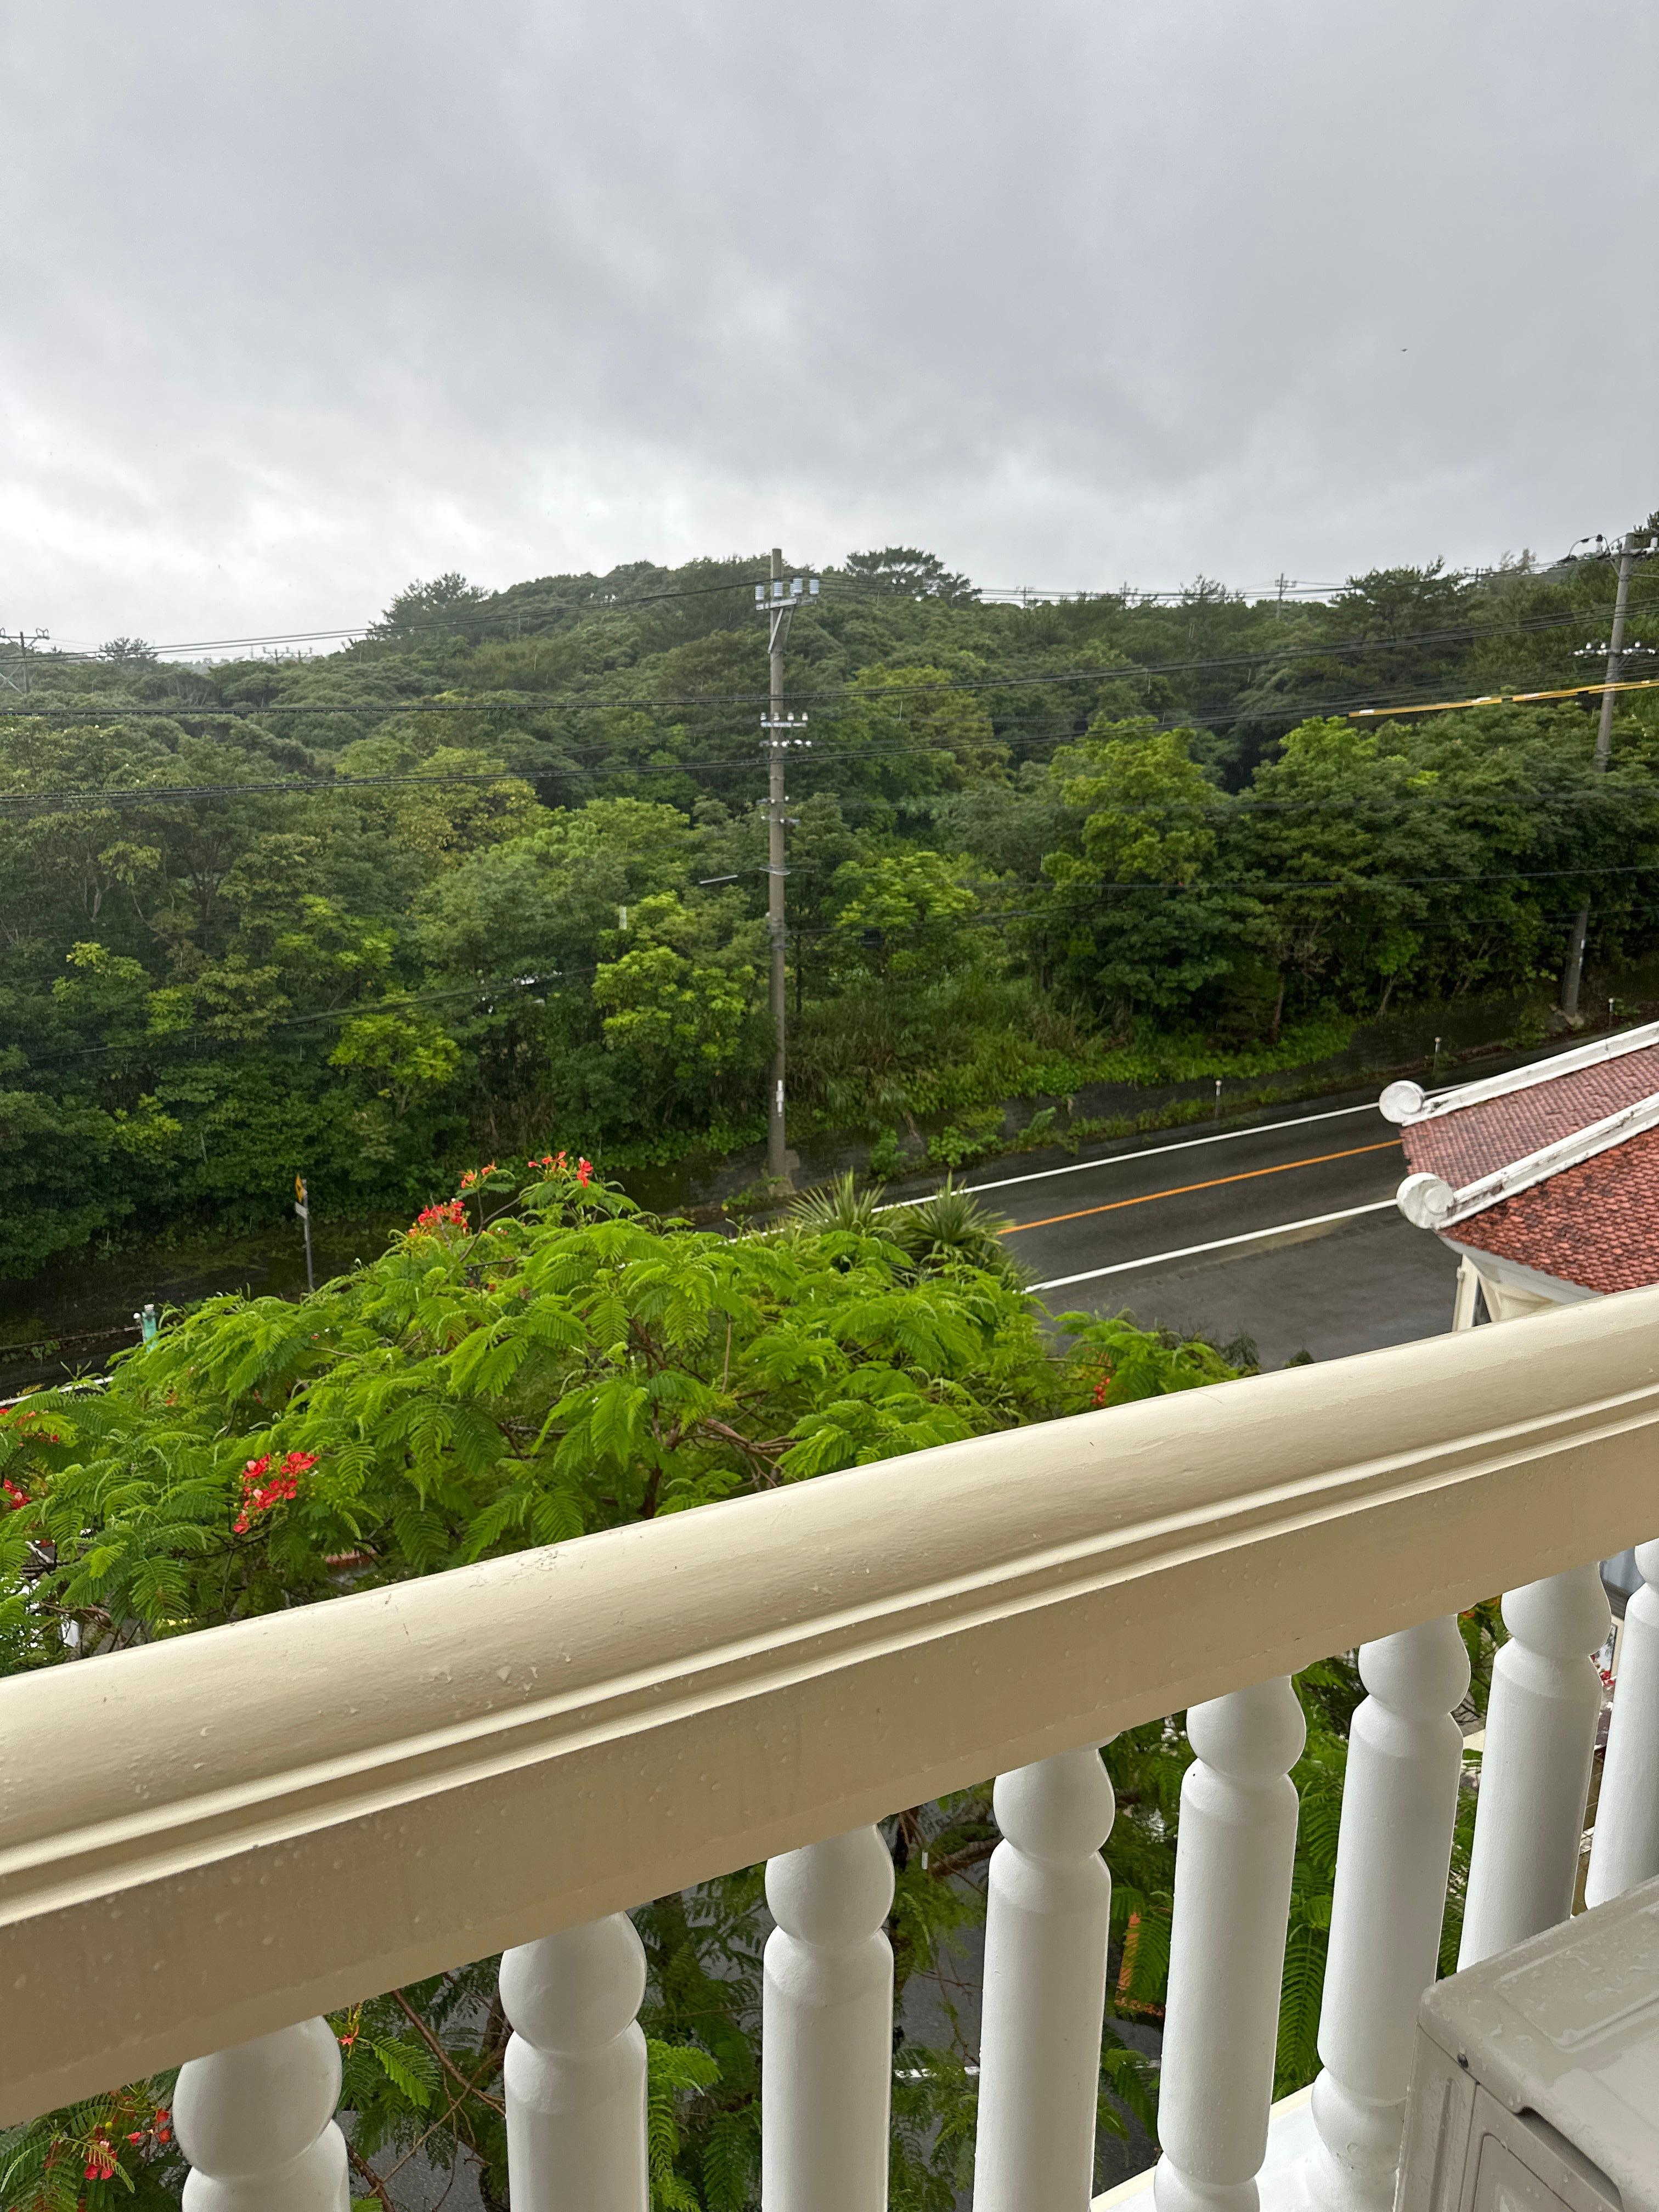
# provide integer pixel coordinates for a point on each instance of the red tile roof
(1473, 1141)
(1596, 1223)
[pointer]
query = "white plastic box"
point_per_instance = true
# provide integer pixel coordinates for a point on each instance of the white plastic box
(1536, 2082)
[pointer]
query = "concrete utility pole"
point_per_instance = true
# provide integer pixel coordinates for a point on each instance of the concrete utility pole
(302, 1208)
(1575, 969)
(778, 601)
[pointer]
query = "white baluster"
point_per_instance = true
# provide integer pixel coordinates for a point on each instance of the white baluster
(257, 2123)
(1626, 1846)
(1046, 1933)
(1399, 1804)
(827, 2029)
(575, 2072)
(1535, 1770)
(1234, 1855)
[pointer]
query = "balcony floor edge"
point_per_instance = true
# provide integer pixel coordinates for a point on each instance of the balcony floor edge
(1291, 2137)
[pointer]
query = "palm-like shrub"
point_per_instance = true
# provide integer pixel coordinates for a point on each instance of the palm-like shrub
(953, 1229)
(837, 1207)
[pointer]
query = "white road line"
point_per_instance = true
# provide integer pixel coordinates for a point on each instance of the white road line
(1147, 1153)
(1189, 1251)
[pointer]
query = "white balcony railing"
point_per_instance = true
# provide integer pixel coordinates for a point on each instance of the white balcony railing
(207, 1841)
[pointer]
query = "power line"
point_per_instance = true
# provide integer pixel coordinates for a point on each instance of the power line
(583, 701)
(397, 1002)
(1129, 596)
(1222, 804)
(606, 766)
(596, 604)
(361, 1007)
(1360, 884)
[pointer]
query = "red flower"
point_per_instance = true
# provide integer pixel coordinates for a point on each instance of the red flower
(452, 1214)
(259, 1496)
(584, 1172)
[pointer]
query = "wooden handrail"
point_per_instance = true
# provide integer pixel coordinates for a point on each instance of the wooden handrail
(205, 1839)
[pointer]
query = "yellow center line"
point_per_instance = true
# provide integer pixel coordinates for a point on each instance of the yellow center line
(1180, 1189)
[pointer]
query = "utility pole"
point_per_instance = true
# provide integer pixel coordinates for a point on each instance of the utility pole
(24, 640)
(778, 601)
(1575, 969)
(302, 1208)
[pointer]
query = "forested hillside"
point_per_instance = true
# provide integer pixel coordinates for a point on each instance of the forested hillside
(492, 878)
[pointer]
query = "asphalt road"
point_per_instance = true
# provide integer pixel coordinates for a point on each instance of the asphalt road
(1324, 1263)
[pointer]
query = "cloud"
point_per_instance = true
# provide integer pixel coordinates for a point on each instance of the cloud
(305, 301)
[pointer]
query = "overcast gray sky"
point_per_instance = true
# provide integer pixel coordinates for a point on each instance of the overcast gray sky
(306, 299)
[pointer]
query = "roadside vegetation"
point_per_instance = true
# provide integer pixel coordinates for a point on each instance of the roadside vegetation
(499, 868)
(534, 1359)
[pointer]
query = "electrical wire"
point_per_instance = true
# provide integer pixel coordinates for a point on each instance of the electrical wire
(608, 768)
(397, 1002)
(596, 603)
(593, 604)
(1512, 698)
(1127, 596)
(361, 1008)
(568, 766)
(1221, 806)
(1467, 633)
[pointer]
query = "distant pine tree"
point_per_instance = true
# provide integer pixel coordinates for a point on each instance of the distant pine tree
(446, 607)
(909, 572)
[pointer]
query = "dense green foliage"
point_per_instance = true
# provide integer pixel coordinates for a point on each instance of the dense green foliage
(534, 1359)
(524, 1365)
(505, 1374)
(500, 867)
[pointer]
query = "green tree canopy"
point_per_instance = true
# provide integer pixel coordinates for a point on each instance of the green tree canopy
(532, 1360)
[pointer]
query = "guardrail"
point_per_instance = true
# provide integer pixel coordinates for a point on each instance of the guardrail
(206, 1841)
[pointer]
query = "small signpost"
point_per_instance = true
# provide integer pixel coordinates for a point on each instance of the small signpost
(302, 1208)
